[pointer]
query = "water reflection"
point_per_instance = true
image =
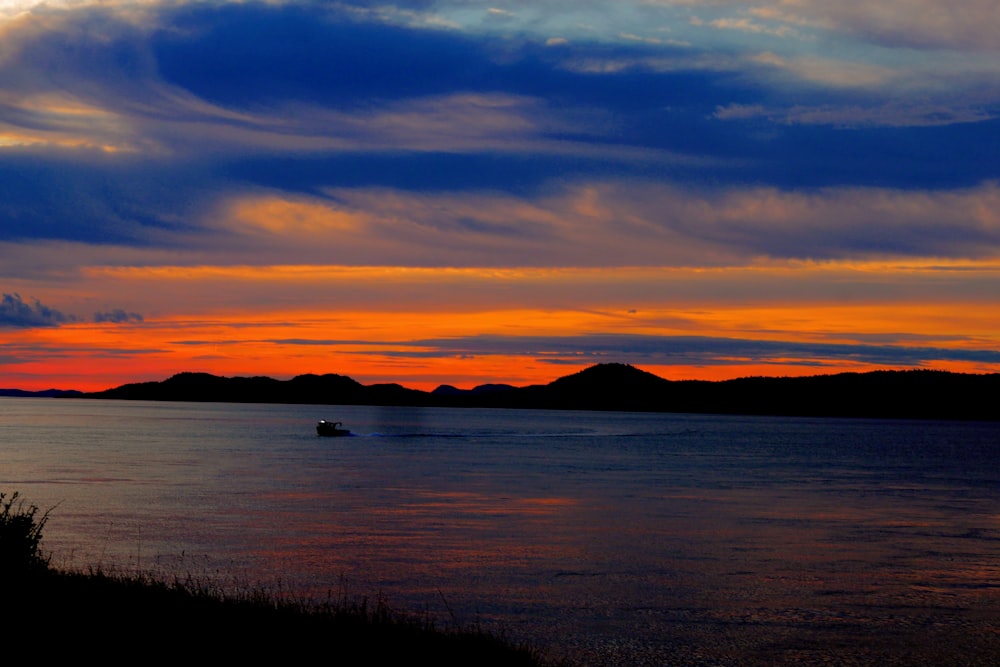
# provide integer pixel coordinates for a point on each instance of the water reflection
(620, 539)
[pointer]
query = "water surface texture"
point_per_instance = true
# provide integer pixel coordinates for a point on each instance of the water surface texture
(610, 538)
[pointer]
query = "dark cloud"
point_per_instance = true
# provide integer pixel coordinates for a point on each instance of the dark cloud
(699, 350)
(118, 316)
(662, 350)
(15, 312)
(246, 55)
(42, 197)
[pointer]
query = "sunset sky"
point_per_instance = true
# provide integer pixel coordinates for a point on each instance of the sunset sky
(456, 191)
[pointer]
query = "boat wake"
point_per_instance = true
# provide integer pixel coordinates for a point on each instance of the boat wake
(474, 435)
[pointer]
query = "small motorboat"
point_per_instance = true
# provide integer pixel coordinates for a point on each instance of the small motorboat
(331, 429)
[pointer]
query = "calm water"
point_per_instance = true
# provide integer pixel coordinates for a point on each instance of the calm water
(611, 538)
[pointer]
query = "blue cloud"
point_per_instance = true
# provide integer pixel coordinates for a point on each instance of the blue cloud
(216, 99)
(242, 55)
(697, 350)
(118, 316)
(15, 312)
(655, 349)
(103, 202)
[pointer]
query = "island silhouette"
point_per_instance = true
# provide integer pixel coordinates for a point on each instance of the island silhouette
(919, 394)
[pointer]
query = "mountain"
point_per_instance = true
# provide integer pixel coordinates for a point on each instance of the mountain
(600, 387)
(891, 394)
(448, 390)
(44, 393)
(327, 389)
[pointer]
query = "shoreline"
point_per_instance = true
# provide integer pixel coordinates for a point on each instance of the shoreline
(911, 394)
(73, 614)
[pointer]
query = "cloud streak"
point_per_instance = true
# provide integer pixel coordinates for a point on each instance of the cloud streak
(621, 224)
(686, 350)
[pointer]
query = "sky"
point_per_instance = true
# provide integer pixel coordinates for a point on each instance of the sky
(457, 192)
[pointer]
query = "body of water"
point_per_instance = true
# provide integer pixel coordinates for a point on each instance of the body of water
(609, 538)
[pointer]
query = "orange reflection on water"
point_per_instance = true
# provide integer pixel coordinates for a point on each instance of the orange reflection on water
(473, 537)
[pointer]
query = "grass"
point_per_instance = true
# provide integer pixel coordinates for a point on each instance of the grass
(20, 535)
(58, 614)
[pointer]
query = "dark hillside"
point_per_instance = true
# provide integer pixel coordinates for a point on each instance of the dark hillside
(920, 394)
(44, 393)
(195, 387)
(911, 394)
(601, 387)
(327, 389)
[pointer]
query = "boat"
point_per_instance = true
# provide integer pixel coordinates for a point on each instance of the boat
(331, 429)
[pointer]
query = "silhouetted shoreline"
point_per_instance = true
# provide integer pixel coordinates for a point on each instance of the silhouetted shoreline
(68, 615)
(79, 614)
(911, 394)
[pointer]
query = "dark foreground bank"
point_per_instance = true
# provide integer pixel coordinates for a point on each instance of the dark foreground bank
(72, 615)
(51, 615)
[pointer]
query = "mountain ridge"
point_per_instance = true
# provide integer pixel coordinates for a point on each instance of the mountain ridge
(918, 394)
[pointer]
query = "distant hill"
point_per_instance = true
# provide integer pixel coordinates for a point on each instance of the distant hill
(893, 394)
(328, 389)
(44, 393)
